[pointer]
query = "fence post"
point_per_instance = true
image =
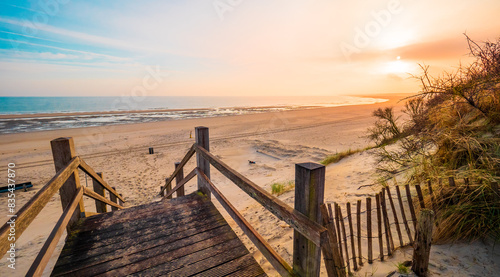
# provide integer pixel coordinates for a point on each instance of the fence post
(100, 207)
(178, 179)
(423, 240)
(202, 140)
(309, 195)
(63, 150)
(113, 198)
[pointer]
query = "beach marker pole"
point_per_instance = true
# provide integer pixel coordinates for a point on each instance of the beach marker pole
(309, 195)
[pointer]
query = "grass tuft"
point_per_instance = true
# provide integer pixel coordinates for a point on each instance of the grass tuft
(278, 188)
(341, 155)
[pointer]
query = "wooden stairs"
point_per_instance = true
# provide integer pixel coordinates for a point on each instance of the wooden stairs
(185, 236)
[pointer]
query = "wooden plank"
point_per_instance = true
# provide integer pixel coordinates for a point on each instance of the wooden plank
(113, 199)
(333, 261)
(451, 181)
(369, 228)
(63, 150)
(181, 183)
(358, 225)
(183, 162)
(87, 169)
(339, 233)
(96, 196)
(310, 229)
(379, 221)
(202, 141)
(412, 208)
(271, 255)
(42, 259)
(148, 253)
(351, 230)
(423, 240)
(32, 208)
(230, 267)
(403, 215)
(394, 213)
(167, 263)
(385, 217)
(309, 195)
(100, 206)
(178, 179)
(113, 247)
(433, 199)
(420, 196)
(344, 234)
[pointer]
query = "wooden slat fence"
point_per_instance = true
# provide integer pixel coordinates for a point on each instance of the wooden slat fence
(380, 230)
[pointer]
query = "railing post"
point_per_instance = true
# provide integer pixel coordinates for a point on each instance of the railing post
(178, 179)
(423, 239)
(113, 198)
(63, 150)
(202, 140)
(100, 207)
(309, 195)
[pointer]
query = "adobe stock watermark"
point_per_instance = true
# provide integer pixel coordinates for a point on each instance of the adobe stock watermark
(129, 101)
(363, 36)
(46, 10)
(224, 6)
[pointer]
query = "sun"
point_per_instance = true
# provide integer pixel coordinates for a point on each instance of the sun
(397, 66)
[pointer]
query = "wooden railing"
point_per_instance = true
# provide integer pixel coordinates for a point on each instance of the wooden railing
(310, 237)
(67, 182)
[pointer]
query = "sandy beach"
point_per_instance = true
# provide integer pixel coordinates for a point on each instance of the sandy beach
(275, 141)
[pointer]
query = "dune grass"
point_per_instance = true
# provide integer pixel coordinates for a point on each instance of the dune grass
(341, 155)
(278, 188)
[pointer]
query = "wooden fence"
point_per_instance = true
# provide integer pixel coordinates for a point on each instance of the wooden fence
(67, 182)
(373, 228)
(310, 237)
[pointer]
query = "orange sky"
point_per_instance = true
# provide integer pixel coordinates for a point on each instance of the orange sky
(224, 47)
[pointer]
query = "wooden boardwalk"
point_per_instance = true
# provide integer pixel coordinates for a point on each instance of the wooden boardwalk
(184, 236)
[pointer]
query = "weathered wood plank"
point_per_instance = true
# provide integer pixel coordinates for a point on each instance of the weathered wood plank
(178, 179)
(351, 230)
(32, 208)
(358, 226)
(63, 151)
(180, 184)
(310, 229)
(395, 214)
(100, 206)
(379, 225)
(87, 169)
(412, 208)
(385, 217)
(423, 240)
(184, 161)
(403, 214)
(333, 261)
(369, 228)
(271, 255)
(309, 195)
(344, 235)
(42, 259)
(96, 196)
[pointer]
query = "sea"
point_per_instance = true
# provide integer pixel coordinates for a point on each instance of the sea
(30, 114)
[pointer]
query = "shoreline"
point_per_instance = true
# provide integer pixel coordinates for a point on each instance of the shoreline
(145, 111)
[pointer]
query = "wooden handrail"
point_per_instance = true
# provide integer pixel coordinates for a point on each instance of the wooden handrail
(310, 229)
(186, 158)
(87, 169)
(43, 257)
(32, 208)
(96, 196)
(182, 183)
(283, 268)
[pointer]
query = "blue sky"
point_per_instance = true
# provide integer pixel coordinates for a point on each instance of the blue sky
(232, 47)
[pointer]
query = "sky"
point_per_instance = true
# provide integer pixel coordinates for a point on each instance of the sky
(233, 47)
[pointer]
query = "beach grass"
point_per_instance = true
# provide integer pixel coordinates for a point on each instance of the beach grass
(278, 188)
